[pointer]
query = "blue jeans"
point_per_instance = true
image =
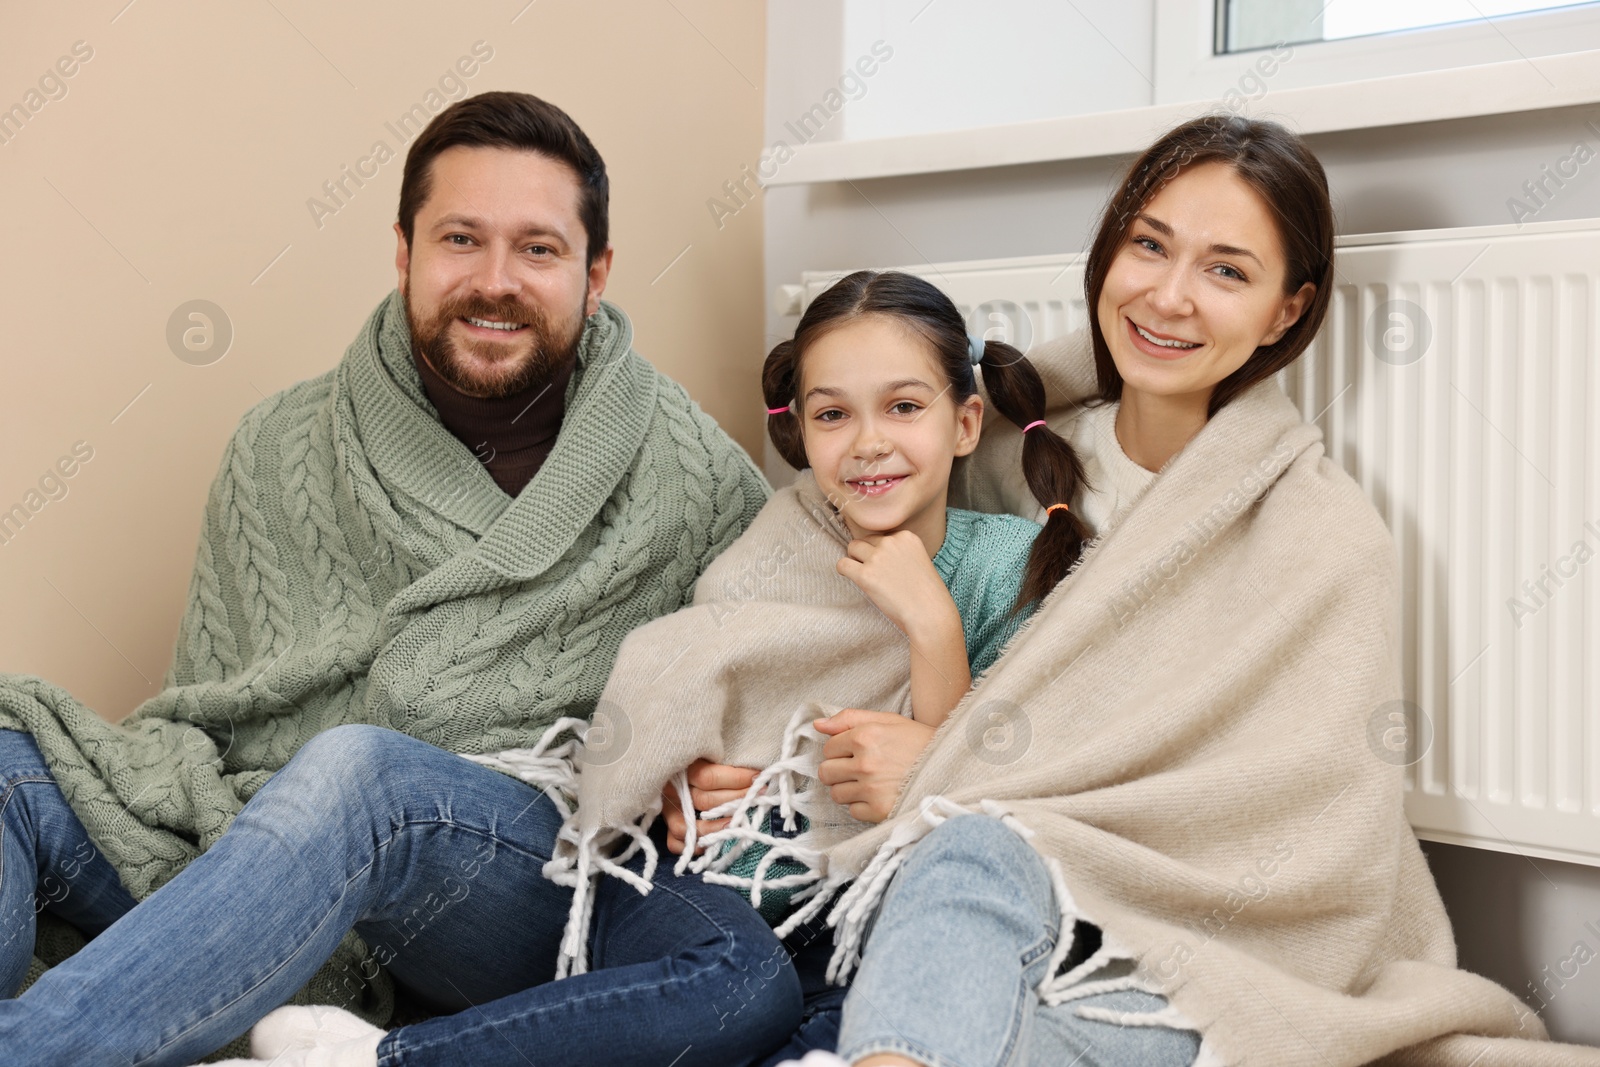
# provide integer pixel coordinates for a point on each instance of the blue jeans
(951, 961)
(809, 948)
(47, 862)
(436, 862)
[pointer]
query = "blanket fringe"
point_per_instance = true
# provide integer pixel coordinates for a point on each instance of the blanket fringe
(581, 857)
(1105, 985)
(691, 834)
(774, 787)
(1070, 985)
(849, 916)
(855, 908)
(546, 766)
(1169, 1017)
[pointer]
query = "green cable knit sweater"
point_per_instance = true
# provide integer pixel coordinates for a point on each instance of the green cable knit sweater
(358, 564)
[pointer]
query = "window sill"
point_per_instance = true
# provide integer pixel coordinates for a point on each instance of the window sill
(1462, 92)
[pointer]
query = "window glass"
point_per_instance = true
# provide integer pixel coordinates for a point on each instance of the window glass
(1246, 24)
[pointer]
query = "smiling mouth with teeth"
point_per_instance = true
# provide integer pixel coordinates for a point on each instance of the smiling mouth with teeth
(873, 486)
(1158, 341)
(508, 327)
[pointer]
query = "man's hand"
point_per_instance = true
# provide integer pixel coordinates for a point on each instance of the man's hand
(867, 758)
(710, 784)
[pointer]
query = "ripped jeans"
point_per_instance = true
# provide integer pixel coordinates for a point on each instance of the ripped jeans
(953, 957)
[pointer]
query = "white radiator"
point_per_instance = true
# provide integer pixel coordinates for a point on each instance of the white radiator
(1457, 379)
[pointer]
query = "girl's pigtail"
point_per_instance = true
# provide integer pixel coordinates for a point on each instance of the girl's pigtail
(777, 385)
(1051, 467)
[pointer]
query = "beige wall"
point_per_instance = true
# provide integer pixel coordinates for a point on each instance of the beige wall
(178, 165)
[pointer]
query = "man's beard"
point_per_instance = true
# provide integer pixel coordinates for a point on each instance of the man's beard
(552, 346)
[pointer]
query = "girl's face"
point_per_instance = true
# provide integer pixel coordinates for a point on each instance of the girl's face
(880, 426)
(1197, 286)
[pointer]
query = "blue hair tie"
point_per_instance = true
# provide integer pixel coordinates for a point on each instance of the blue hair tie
(975, 349)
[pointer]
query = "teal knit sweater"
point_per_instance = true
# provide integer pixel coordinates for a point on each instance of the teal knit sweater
(357, 564)
(982, 562)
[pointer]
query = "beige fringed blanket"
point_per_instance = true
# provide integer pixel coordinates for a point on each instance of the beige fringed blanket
(1181, 730)
(775, 639)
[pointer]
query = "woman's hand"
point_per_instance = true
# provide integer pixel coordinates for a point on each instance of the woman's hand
(867, 758)
(896, 574)
(710, 784)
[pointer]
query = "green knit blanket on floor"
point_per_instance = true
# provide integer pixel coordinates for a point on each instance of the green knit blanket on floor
(358, 564)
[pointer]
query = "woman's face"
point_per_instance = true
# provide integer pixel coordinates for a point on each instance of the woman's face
(1197, 286)
(880, 426)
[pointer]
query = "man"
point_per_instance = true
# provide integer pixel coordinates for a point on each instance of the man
(448, 535)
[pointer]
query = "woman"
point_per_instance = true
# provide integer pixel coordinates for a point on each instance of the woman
(1154, 833)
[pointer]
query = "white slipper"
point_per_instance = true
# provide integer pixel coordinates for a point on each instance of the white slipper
(316, 1035)
(816, 1058)
(294, 1028)
(359, 1052)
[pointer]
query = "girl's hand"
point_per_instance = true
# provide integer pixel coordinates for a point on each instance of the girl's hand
(896, 574)
(710, 784)
(867, 758)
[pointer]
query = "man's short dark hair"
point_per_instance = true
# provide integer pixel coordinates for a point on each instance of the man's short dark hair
(511, 120)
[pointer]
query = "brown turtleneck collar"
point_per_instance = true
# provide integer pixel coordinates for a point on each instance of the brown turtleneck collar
(511, 435)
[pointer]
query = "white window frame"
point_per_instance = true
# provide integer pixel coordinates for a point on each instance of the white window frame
(1186, 67)
(1414, 76)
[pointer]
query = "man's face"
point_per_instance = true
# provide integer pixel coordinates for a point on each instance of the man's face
(495, 281)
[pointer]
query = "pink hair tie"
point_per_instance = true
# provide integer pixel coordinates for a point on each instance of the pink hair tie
(1031, 425)
(777, 411)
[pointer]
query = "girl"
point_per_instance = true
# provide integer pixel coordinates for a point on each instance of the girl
(884, 589)
(876, 396)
